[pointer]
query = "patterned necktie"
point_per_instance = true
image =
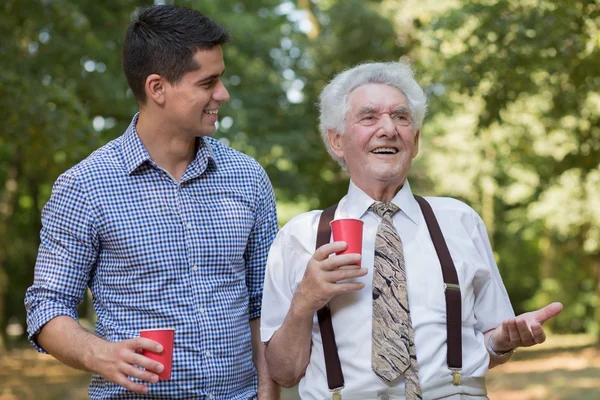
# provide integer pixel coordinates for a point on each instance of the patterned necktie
(393, 347)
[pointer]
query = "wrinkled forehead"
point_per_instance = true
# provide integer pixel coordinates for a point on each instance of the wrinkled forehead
(376, 96)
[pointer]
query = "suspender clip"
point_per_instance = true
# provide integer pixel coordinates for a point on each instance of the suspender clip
(451, 286)
(456, 381)
(336, 395)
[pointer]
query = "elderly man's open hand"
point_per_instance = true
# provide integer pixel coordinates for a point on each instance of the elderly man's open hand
(524, 330)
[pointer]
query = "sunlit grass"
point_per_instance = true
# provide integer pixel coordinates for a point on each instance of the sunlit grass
(565, 367)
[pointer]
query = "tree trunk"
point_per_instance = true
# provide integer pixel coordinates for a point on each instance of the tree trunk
(548, 256)
(6, 212)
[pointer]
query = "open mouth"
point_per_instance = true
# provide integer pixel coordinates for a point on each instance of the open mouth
(385, 150)
(211, 112)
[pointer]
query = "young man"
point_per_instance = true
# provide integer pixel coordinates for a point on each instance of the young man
(389, 316)
(167, 227)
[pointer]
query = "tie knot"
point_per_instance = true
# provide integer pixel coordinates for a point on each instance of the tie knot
(384, 209)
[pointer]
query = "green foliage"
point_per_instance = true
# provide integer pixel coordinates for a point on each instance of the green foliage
(518, 137)
(513, 127)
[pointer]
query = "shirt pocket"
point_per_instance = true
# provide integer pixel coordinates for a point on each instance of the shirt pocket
(436, 297)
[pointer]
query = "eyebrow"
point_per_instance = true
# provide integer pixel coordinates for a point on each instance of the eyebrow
(401, 110)
(211, 77)
(365, 110)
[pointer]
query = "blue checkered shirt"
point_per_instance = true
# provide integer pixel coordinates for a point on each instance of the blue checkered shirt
(189, 255)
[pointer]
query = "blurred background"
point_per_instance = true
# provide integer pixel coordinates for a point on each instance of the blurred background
(513, 130)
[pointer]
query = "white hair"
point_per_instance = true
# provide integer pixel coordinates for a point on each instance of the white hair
(333, 105)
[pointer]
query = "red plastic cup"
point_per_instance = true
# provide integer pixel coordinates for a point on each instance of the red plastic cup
(349, 230)
(166, 337)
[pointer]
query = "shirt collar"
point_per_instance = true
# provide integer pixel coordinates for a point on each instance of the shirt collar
(358, 202)
(135, 153)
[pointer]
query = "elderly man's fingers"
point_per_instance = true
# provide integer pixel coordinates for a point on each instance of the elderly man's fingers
(343, 274)
(323, 252)
(550, 311)
(539, 336)
(525, 336)
(513, 331)
(501, 338)
(346, 287)
(335, 262)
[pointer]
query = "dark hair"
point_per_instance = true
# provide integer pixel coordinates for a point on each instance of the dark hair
(163, 41)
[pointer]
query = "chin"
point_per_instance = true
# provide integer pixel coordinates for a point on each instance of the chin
(389, 178)
(386, 175)
(207, 131)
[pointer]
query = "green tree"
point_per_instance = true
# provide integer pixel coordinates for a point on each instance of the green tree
(516, 134)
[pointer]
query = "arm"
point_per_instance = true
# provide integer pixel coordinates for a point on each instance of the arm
(68, 251)
(259, 242)
(524, 330)
(257, 249)
(288, 351)
(267, 388)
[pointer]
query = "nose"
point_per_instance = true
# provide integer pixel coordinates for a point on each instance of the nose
(387, 126)
(220, 94)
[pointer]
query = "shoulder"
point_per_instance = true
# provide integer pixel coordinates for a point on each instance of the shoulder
(76, 189)
(226, 157)
(450, 211)
(99, 162)
(449, 205)
(96, 166)
(301, 231)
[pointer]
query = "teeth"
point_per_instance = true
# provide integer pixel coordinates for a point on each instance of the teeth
(385, 150)
(211, 111)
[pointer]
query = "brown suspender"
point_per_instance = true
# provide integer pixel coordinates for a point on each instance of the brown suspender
(335, 377)
(451, 290)
(333, 367)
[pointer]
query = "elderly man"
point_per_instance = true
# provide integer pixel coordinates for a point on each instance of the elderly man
(389, 315)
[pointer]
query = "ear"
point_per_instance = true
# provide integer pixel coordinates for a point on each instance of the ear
(155, 88)
(335, 142)
(416, 142)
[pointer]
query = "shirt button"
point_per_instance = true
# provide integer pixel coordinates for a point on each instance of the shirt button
(201, 310)
(210, 396)
(208, 353)
(189, 226)
(195, 268)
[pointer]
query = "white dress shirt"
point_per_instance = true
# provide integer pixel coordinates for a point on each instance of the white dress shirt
(485, 303)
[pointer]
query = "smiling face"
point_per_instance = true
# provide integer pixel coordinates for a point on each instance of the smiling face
(379, 142)
(192, 104)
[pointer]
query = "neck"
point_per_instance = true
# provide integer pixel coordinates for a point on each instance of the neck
(381, 191)
(173, 151)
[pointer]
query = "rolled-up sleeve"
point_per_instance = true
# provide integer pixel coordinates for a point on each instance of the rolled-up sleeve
(278, 294)
(67, 253)
(259, 243)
